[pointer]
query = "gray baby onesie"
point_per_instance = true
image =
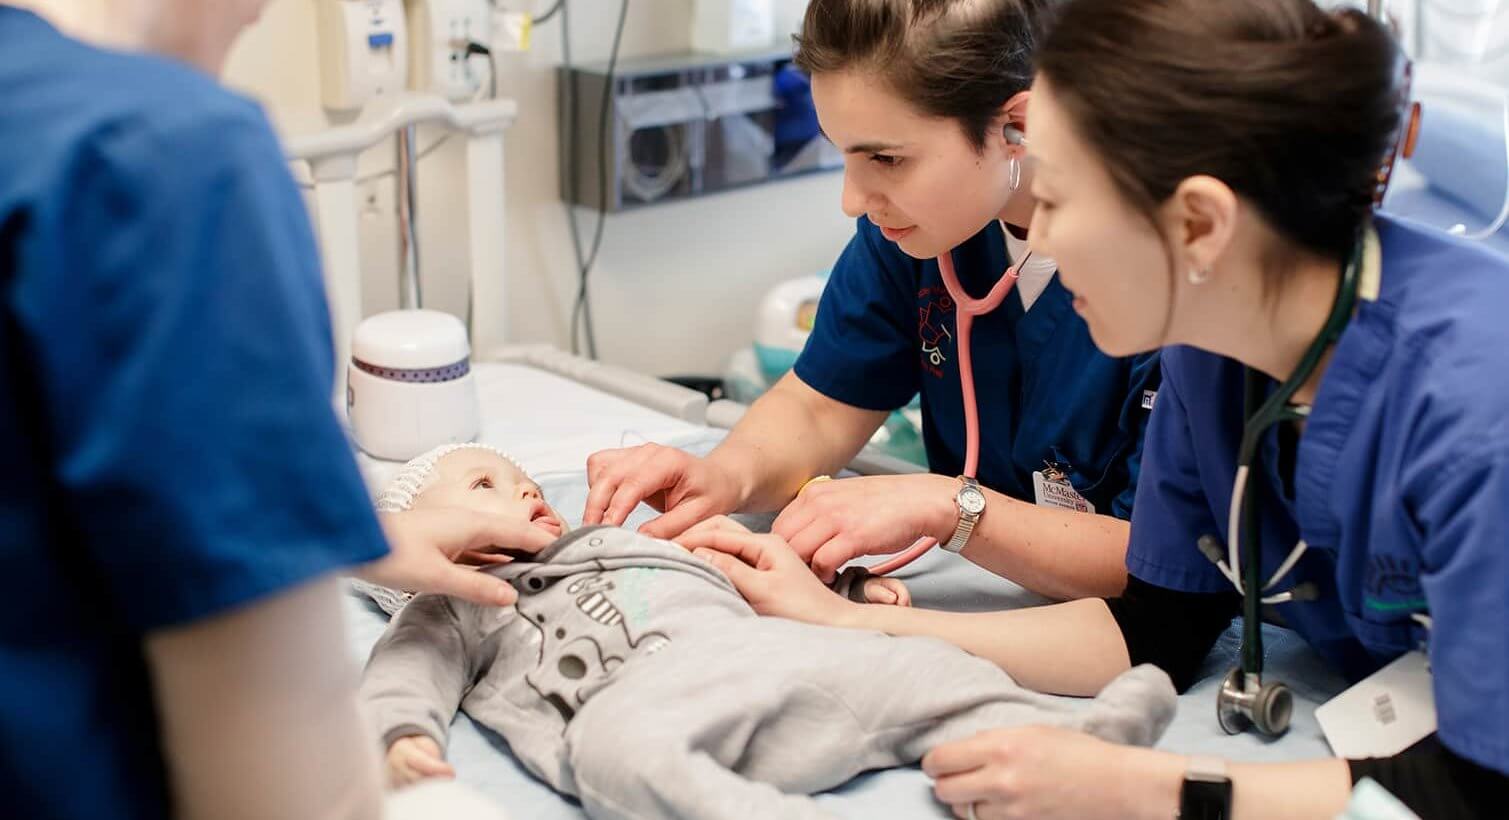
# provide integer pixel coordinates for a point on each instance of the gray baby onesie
(633, 676)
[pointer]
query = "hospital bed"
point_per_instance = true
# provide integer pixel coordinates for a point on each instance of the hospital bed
(551, 410)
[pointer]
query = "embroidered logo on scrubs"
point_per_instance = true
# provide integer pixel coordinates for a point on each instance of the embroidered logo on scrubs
(1393, 584)
(934, 327)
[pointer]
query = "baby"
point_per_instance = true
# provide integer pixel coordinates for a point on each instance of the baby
(633, 676)
(479, 477)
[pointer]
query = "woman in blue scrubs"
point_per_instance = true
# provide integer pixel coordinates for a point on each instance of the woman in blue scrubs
(920, 96)
(176, 493)
(1206, 171)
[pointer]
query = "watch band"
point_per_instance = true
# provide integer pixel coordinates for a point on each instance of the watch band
(966, 526)
(1206, 793)
(962, 532)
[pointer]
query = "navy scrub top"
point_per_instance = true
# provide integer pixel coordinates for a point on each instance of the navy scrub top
(885, 332)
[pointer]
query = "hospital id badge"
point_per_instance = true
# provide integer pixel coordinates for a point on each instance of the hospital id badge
(1058, 492)
(1381, 716)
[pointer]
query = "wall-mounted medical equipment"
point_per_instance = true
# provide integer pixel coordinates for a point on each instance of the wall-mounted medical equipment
(410, 386)
(687, 125)
(363, 51)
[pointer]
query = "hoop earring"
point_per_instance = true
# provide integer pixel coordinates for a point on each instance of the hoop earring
(1199, 276)
(1014, 169)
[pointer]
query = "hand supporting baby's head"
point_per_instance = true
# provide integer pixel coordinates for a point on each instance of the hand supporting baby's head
(463, 481)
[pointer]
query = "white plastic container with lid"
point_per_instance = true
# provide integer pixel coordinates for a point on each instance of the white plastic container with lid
(409, 386)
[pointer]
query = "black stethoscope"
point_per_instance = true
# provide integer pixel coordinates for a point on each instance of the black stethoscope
(1245, 699)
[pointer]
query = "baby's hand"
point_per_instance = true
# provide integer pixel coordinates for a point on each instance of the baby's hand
(415, 758)
(884, 590)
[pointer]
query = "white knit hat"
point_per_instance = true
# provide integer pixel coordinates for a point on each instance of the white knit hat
(399, 495)
(404, 488)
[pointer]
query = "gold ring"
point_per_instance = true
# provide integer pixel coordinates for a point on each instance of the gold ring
(817, 479)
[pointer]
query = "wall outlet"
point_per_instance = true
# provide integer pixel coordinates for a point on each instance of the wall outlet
(439, 31)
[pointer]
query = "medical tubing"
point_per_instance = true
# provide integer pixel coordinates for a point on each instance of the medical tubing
(966, 308)
(907, 556)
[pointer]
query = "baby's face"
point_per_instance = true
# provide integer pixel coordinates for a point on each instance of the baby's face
(484, 481)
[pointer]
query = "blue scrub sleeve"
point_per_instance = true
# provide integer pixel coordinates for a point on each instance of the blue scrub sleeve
(1465, 581)
(863, 350)
(176, 318)
(1172, 510)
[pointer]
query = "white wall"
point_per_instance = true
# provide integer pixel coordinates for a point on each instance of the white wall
(675, 287)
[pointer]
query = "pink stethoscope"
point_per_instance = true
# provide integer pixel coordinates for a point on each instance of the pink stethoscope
(968, 308)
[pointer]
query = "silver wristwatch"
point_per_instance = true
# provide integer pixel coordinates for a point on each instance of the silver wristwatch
(971, 501)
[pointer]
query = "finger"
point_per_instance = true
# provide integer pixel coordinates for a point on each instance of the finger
(400, 775)
(828, 558)
(600, 462)
(705, 525)
(431, 766)
(637, 481)
(741, 574)
(879, 594)
(474, 586)
(679, 520)
(625, 500)
(795, 517)
(806, 542)
(479, 558)
(969, 787)
(491, 532)
(605, 483)
(903, 594)
(961, 755)
(746, 547)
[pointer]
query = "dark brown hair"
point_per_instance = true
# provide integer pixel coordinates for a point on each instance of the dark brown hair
(959, 59)
(1292, 107)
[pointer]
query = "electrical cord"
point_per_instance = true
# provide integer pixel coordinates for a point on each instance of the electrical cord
(581, 313)
(474, 48)
(551, 12)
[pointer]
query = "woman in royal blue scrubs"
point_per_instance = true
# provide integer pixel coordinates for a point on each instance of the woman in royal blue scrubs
(1206, 173)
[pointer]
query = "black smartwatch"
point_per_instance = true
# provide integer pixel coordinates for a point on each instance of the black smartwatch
(1206, 794)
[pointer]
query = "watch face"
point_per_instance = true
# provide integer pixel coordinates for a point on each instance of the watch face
(972, 501)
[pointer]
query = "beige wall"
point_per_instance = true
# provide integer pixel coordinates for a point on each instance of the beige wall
(675, 287)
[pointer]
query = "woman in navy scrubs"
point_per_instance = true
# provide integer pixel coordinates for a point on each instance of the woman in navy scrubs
(920, 97)
(1206, 175)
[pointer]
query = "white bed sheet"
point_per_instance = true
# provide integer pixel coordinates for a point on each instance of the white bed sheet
(550, 424)
(553, 424)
